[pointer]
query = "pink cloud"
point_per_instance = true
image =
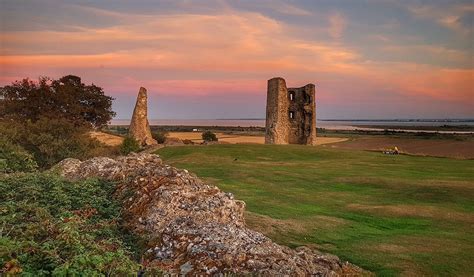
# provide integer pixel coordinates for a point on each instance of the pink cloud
(230, 53)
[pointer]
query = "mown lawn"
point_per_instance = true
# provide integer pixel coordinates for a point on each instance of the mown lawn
(389, 214)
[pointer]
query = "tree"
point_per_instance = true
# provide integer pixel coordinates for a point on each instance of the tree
(66, 98)
(209, 136)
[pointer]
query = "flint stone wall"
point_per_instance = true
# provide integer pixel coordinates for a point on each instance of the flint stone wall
(193, 228)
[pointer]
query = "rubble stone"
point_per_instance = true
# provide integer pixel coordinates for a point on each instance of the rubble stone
(194, 228)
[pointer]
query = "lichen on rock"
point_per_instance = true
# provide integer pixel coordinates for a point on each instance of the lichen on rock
(193, 228)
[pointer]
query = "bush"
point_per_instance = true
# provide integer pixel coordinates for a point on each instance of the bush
(13, 158)
(209, 136)
(56, 227)
(160, 136)
(128, 145)
(50, 140)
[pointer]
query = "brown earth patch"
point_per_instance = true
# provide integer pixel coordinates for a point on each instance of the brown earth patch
(413, 210)
(424, 147)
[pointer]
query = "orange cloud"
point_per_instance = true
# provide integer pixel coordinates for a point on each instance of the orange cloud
(234, 52)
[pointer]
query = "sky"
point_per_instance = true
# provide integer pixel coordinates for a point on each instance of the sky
(211, 59)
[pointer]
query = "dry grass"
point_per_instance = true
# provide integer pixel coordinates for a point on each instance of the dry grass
(114, 140)
(415, 211)
(242, 139)
(423, 147)
(107, 139)
(272, 226)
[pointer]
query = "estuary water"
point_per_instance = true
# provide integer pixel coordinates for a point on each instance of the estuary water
(328, 124)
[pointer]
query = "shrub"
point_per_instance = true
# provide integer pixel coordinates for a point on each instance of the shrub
(128, 145)
(13, 158)
(50, 140)
(56, 227)
(209, 136)
(160, 136)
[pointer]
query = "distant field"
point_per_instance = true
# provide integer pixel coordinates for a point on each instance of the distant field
(238, 138)
(452, 148)
(389, 214)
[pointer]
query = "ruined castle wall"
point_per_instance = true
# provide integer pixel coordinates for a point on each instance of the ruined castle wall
(277, 108)
(291, 114)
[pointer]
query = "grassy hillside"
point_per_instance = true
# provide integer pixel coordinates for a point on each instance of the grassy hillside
(388, 214)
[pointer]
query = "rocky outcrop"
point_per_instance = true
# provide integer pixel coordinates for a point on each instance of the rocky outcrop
(139, 126)
(193, 228)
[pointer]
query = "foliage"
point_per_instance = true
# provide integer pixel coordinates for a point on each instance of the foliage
(394, 215)
(13, 158)
(50, 140)
(159, 136)
(50, 226)
(66, 98)
(209, 136)
(128, 145)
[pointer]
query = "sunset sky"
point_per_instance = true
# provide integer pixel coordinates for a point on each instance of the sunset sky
(212, 59)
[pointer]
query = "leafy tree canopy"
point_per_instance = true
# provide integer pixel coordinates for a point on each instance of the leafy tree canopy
(66, 98)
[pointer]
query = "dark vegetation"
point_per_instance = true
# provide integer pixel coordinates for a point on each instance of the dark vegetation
(50, 226)
(209, 136)
(67, 98)
(159, 136)
(14, 158)
(50, 119)
(123, 129)
(129, 145)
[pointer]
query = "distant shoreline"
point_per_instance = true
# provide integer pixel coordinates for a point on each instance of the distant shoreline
(437, 120)
(362, 129)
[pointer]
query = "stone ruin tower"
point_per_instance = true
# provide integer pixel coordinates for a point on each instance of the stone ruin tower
(291, 114)
(139, 127)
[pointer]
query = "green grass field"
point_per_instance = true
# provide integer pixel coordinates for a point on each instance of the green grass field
(389, 214)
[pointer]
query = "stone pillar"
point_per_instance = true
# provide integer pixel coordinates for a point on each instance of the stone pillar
(139, 127)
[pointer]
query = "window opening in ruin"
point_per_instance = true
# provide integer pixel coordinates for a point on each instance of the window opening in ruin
(292, 115)
(292, 95)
